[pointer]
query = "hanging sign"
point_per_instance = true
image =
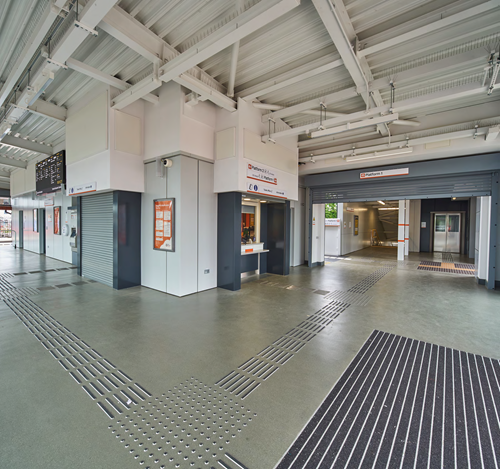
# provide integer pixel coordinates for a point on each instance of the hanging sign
(262, 189)
(385, 174)
(164, 224)
(261, 174)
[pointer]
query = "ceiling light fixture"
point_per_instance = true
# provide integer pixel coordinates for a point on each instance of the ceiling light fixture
(380, 202)
(356, 125)
(368, 156)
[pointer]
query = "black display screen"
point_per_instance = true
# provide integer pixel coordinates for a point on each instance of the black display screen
(51, 173)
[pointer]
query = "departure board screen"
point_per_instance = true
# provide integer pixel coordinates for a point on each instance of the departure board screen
(51, 173)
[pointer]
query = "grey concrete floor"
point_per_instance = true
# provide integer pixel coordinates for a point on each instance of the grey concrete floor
(47, 421)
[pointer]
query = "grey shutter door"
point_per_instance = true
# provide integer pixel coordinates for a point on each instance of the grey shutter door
(469, 185)
(97, 238)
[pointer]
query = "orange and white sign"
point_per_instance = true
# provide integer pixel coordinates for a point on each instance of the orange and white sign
(385, 174)
(258, 173)
(57, 220)
(164, 224)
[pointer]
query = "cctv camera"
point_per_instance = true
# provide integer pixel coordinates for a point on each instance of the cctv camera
(167, 163)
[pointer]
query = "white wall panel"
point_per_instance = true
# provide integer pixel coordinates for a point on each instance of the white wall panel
(162, 124)
(299, 229)
(17, 182)
(318, 233)
(87, 130)
(127, 133)
(182, 265)
(153, 263)
(207, 227)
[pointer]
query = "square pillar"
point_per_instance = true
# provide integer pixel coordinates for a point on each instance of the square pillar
(401, 230)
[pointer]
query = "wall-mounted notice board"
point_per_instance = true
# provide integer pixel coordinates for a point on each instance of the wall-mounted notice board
(164, 225)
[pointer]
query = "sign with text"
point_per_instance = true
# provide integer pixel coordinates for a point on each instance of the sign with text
(262, 189)
(332, 221)
(50, 174)
(57, 220)
(385, 174)
(261, 174)
(82, 189)
(164, 224)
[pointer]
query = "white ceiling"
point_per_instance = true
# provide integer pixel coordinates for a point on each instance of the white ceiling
(427, 47)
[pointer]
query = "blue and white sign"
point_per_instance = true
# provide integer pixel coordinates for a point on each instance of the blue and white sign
(82, 189)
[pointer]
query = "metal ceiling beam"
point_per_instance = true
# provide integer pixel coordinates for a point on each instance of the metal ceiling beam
(243, 25)
(441, 67)
(458, 92)
(92, 72)
(45, 109)
(4, 174)
(42, 28)
(234, 56)
(360, 72)
(430, 28)
(126, 29)
(18, 142)
(284, 80)
(90, 16)
(11, 162)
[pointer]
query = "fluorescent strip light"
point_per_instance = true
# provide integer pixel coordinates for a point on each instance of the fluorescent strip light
(356, 125)
(388, 208)
(368, 156)
(380, 202)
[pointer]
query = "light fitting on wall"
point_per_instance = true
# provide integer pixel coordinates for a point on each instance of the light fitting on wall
(269, 138)
(368, 156)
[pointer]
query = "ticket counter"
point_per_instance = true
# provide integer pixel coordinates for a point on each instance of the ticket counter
(251, 245)
(253, 237)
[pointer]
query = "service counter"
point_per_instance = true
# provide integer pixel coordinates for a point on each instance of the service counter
(250, 258)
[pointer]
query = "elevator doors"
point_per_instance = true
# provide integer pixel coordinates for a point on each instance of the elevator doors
(447, 232)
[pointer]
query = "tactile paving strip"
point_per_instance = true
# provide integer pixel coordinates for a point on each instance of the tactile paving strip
(372, 279)
(114, 390)
(191, 425)
(449, 271)
(358, 299)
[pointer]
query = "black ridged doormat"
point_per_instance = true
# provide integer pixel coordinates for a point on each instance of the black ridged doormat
(407, 404)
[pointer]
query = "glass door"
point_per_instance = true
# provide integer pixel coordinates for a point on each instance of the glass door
(447, 232)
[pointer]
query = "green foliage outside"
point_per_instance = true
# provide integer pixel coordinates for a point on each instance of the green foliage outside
(330, 210)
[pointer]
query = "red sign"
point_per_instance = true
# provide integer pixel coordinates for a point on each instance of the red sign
(164, 224)
(57, 220)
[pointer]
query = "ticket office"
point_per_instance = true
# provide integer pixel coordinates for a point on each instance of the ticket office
(253, 237)
(251, 244)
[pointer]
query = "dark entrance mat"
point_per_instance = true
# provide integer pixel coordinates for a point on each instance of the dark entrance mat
(406, 403)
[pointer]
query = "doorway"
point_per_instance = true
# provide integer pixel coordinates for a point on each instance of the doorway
(447, 232)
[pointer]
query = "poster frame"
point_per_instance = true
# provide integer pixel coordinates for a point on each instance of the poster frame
(168, 199)
(356, 225)
(57, 220)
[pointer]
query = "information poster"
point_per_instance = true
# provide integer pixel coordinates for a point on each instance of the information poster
(35, 219)
(57, 220)
(356, 225)
(164, 224)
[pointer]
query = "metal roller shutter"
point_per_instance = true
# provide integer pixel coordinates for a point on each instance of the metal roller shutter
(97, 238)
(470, 185)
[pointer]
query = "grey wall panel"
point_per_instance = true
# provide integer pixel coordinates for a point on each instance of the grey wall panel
(229, 241)
(97, 238)
(207, 227)
(469, 165)
(127, 239)
(154, 263)
(468, 185)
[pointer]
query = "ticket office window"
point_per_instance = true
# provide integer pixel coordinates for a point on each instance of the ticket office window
(250, 223)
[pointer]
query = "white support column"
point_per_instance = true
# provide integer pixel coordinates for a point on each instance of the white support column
(401, 231)
(407, 227)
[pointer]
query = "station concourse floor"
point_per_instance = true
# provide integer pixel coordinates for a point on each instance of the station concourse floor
(170, 345)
